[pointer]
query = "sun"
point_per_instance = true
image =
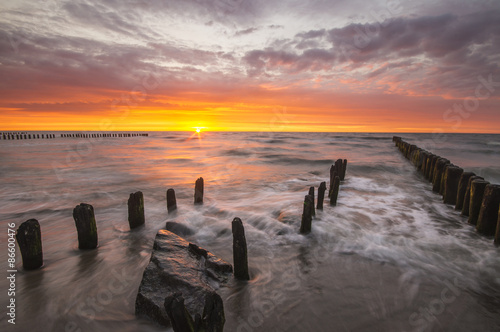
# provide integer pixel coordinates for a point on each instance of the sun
(198, 130)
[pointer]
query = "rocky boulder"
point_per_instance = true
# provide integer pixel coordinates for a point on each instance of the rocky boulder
(176, 268)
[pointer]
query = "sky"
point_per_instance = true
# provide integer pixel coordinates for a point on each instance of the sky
(250, 65)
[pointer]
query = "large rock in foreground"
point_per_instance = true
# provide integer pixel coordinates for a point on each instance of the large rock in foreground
(177, 266)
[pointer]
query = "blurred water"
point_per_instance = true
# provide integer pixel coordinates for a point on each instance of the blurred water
(389, 257)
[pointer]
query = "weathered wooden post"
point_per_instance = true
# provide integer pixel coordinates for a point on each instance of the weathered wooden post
(488, 216)
(462, 187)
(466, 207)
(335, 191)
(321, 195)
(198, 191)
(29, 239)
(332, 177)
(451, 179)
(86, 226)
(443, 178)
(171, 200)
(306, 222)
(438, 172)
(344, 169)
(136, 210)
(497, 233)
(240, 257)
(213, 319)
(338, 167)
(476, 198)
(311, 193)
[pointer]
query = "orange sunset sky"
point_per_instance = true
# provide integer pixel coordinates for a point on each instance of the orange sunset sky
(241, 65)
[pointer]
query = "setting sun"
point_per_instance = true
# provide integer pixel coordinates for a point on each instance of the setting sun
(198, 130)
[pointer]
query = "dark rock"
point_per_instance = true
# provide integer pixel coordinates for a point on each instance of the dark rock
(29, 239)
(179, 229)
(176, 266)
(85, 226)
(178, 314)
(240, 256)
(488, 216)
(136, 210)
(213, 318)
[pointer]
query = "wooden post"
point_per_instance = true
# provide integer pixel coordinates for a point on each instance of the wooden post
(335, 191)
(344, 169)
(240, 257)
(476, 198)
(332, 177)
(305, 224)
(488, 216)
(198, 191)
(465, 208)
(136, 210)
(29, 239)
(451, 180)
(171, 200)
(438, 172)
(311, 193)
(86, 226)
(462, 187)
(338, 167)
(443, 178)
(497, 233)
(321, 195)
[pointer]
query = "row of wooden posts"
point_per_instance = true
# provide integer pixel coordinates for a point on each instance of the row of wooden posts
(475, 197)
(337, 174)
(97, 135)
(29, 236)
(20, 136)
(12, 136)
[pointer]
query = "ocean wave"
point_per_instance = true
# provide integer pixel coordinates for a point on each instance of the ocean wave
(237, 152)
(297, 161)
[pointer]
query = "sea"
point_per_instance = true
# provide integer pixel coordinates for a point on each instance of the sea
(391, 256)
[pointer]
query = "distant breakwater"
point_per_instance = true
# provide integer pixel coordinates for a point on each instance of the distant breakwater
(470, 194)
(25, 135)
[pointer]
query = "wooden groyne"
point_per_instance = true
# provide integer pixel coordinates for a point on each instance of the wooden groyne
(337, 174)
(476, 198)
(24, 135)
(7, 136)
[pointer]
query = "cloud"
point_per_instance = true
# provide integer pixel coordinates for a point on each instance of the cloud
(470, 42)
(246, 31)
